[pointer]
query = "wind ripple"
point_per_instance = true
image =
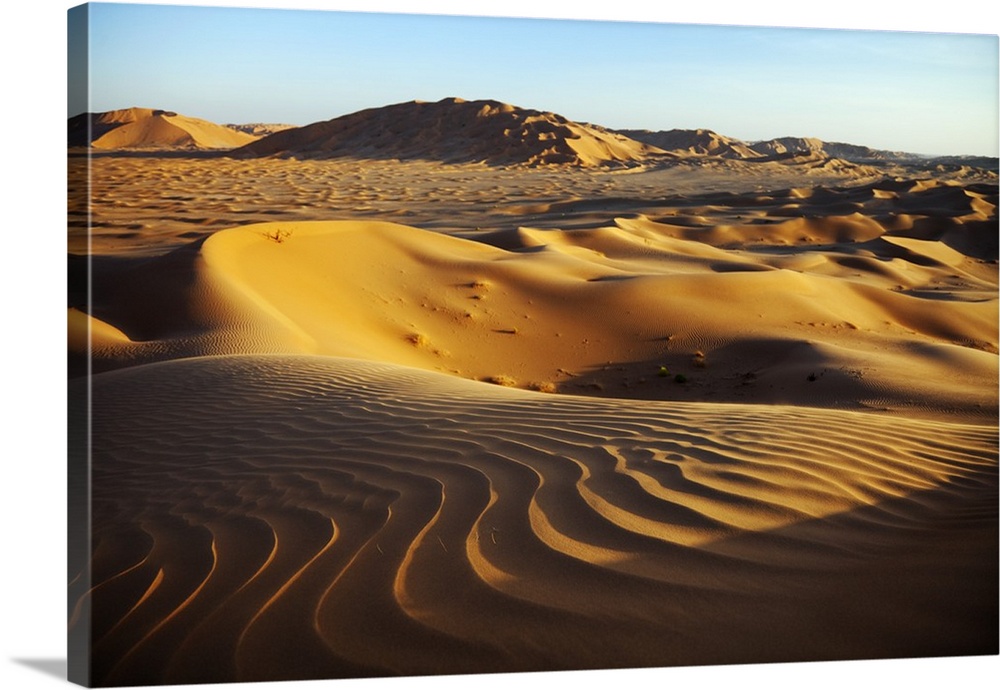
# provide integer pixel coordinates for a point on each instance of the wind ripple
(283, 517)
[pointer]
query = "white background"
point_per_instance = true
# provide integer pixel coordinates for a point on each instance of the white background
(32, 337)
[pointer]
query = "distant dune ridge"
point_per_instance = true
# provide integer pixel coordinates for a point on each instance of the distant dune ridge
(702, 142)
(453, 130)
(851, 152)
(708, 143)
(259, 129)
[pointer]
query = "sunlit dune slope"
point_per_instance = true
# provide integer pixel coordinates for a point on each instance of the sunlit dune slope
(620, 310)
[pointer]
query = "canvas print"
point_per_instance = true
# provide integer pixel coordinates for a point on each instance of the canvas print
(408, 345)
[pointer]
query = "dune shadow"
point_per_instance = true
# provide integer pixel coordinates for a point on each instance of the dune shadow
(757, 370)
(914, 576)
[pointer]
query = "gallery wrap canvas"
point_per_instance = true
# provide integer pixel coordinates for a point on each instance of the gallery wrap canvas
(422, 345)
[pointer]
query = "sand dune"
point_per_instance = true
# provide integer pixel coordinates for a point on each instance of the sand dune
(853, 326)
(86, 127)
(145, 128)
(264, 517)
(454, 130)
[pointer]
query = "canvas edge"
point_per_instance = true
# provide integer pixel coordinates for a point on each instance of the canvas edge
(78, 667)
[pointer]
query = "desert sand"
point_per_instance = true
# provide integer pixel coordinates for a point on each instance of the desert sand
(407, 409)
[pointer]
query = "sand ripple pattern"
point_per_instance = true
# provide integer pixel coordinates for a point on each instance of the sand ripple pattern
(279, 517)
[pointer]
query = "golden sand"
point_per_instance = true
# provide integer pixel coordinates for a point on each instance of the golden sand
(403, 417)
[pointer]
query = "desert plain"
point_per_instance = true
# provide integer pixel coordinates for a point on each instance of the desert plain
(460, 387)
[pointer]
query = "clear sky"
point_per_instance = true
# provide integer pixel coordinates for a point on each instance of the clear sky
(917, 92)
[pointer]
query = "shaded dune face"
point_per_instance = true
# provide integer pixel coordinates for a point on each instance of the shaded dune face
(278, 517)
(453, 130)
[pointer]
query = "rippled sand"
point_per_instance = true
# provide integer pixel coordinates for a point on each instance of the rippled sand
(275, 517)
(383, 418)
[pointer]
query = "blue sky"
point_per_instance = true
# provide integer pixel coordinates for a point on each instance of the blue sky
(919, 92)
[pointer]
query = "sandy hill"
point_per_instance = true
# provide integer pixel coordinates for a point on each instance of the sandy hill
(102, 123)
(788, 145)
(151, 129)
(702, 142)
(454, 130)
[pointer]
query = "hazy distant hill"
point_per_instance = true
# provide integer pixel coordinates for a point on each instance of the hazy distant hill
(851, 152)
(147, 128)
(259, 129)
(865, 154)
(709, 143)
(703, 142)
(455, 130)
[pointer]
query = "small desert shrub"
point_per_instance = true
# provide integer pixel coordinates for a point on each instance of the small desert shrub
(543, 387)
(277, 235)
(680, 378)
(698, 359)
(501, 380)
(664, 372)
(418, 339)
